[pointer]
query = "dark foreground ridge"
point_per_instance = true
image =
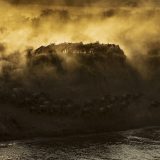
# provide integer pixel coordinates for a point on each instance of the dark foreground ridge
(75, 88)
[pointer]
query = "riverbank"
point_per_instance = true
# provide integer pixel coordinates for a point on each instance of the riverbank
(96, 116)
(115, 145)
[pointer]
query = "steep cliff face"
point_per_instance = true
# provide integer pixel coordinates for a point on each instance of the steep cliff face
(69, 69)
(80, 88)
(87, 54)
(78, 66)
(81, 70)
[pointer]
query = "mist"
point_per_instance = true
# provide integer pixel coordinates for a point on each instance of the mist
(28, 25)
(32, 25)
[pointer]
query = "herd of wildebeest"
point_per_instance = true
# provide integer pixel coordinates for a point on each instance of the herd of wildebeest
(42, 104)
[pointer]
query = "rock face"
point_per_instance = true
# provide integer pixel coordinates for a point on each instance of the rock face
(77, 88)
(78, 68)
(79, 51)
(80, 48)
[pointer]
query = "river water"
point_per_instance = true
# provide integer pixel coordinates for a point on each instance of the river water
(139, 144)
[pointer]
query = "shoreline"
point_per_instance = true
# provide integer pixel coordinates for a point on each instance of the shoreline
(63, 136)
(91, 118)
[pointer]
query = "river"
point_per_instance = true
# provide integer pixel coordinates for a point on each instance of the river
(138, 144)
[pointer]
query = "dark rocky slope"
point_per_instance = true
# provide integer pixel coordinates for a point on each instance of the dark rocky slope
(74, 89)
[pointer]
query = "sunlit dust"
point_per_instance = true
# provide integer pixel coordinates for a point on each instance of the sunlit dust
(33, 25)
